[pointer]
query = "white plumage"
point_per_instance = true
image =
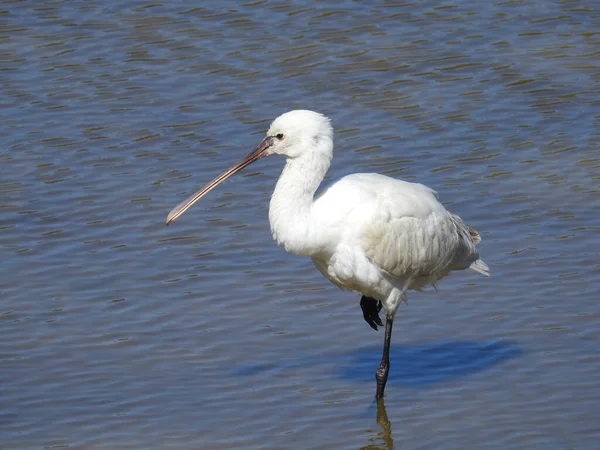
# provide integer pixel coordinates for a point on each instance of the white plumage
(366, 233)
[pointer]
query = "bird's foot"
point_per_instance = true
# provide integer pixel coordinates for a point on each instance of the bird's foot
(370, 309)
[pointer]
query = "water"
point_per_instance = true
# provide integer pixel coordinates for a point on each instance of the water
(119, 332)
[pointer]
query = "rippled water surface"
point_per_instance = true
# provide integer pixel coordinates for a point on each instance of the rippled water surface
(119, 332)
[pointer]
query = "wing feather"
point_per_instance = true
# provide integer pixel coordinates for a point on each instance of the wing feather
(400, 226)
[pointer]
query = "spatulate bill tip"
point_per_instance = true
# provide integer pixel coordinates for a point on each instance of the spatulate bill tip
(170, 218)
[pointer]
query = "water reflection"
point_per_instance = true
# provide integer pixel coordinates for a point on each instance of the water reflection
(385, 434)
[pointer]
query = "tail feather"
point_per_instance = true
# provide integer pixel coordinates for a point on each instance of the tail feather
(481, 267)
(474, 235)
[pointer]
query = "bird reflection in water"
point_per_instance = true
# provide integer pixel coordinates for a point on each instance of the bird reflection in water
(385, 434)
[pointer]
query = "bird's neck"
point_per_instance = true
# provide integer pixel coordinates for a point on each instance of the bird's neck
(290, 211)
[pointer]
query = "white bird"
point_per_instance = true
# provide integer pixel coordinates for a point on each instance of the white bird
(366, 233)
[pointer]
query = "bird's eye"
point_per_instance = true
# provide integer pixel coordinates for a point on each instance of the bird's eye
(279, 136)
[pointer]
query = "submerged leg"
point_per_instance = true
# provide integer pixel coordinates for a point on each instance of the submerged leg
(370, 309)
(382, 372)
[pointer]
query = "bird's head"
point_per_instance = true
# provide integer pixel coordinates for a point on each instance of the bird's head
(298, 132)
(295, 134)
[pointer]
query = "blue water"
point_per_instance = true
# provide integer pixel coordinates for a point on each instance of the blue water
(119, 332)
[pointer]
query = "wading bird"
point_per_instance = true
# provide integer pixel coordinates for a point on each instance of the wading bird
(366, 233)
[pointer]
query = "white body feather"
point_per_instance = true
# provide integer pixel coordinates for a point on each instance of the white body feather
(368, 233)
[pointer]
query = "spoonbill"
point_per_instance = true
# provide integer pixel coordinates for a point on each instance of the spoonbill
(367, 233)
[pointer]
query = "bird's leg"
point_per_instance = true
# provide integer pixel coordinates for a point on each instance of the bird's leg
(370, 309)
(382, 372)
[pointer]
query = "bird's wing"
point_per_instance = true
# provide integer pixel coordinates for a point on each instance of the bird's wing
(401, 227)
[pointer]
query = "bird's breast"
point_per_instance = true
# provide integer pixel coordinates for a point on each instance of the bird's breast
(349, 269)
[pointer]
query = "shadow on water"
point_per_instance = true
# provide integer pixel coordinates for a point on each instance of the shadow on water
(423, 365)
(411, 366)
(417, 366)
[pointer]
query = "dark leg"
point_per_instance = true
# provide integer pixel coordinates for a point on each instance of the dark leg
(370, 308)
(382, 372)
